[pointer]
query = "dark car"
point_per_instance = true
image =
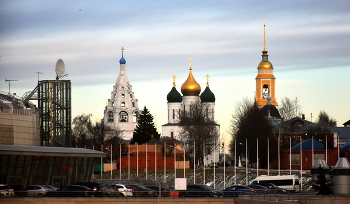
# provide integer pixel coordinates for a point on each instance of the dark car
(272, 188)
(110, 191)
(71, 191)
(19, 190)
(142, 191)
(98, 188)
(200, 190)
(237, 190)
(259, 188)
(163, 191)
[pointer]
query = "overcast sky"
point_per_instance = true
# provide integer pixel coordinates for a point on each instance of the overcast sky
(308, 43)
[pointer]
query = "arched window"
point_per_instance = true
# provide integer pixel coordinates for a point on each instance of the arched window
(123, 116)
(123, 95)
(110, 116)
(122, 104)
(134, 118)
(266, 91)
(133, 104)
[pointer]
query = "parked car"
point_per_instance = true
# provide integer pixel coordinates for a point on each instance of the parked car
(272, 188)
(19, 190)
(37, 190)
(54, 188)
(237, 190)
(71, 191)
(259, 189)
(200, 190)
(141, 191)
(110, 191)
(98, 189)
(163, 191)
(6, 190)
(125, 192)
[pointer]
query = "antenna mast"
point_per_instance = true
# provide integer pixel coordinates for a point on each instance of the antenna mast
(38, 74)
(9, 80)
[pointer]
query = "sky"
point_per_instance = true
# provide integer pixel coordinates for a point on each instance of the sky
(308, 43)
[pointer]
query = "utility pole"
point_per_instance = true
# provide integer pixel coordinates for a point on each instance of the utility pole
(9, 80)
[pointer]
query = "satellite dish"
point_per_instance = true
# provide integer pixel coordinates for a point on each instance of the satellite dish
(60, 69)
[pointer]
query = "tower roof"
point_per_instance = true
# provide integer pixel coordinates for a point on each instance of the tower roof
(122, 60)
(207, 95)
(270, 110)
(174, 96)
(265, 63)
(190, 87)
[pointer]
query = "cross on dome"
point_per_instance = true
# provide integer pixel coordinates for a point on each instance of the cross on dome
(190, 60)
(208, 77)
(174, 80)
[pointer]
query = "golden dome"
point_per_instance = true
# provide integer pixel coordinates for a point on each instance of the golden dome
(265, 64)
(190, 87)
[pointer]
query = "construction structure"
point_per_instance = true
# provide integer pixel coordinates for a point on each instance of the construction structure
(54, 104)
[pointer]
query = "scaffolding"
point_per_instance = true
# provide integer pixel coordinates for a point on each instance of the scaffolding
(54, 103)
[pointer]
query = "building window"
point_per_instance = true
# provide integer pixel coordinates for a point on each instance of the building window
(122, 104)
(172, 134)
(173, 113)
(123, 116)
(110, 116)
(123, 96)
(133, 104)
(134, 118)
(130, 95)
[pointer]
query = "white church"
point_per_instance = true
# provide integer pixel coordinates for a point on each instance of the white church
(122, 108)
(190, 90)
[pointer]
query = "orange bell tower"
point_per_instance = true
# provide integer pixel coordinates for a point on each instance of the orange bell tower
(265, 80)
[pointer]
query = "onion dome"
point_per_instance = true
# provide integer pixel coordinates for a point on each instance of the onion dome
(97, 127)
(174, 96)
(207, 95)
(265, 63)
(122, 60)
(190, 87)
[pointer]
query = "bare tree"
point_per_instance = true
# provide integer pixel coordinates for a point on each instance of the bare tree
(289, 108)
(199, 132)
(105, 133)
(247, 124)
(83, 130)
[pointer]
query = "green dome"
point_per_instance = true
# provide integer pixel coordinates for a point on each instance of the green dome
(207, 96)
(174, 96)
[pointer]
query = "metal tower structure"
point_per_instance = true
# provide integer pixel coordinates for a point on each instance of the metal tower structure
(54, 103)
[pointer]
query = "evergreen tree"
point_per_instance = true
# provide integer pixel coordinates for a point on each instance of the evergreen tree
(145, 128)
(322, 185)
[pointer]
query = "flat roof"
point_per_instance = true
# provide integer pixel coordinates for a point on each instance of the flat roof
(49, 151)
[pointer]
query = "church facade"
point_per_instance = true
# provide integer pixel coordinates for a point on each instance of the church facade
(191, 97)
(121, 111)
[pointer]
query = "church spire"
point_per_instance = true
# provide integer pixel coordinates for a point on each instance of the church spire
(264, 35)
